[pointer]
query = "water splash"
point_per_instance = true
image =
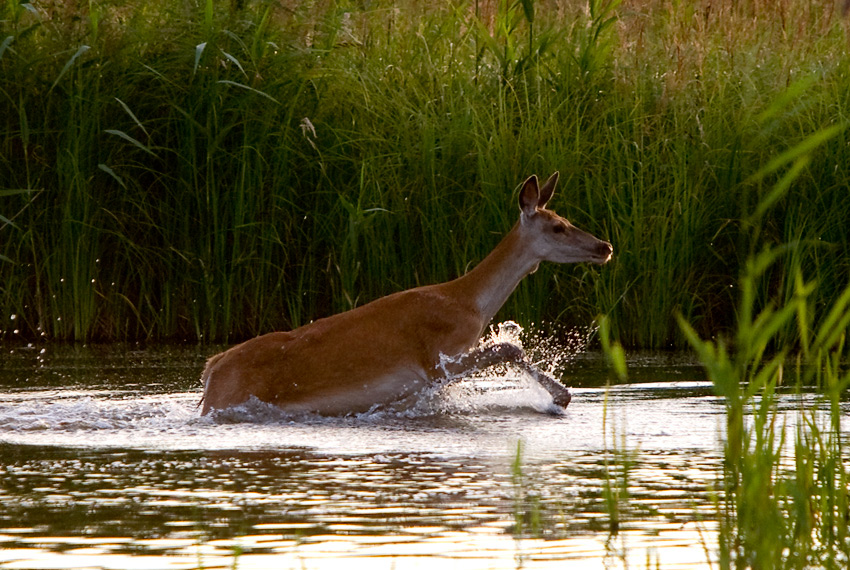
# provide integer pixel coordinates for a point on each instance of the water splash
(92, 410)
(506, 386)
(499, 388)
(80, 415)
(148, 400)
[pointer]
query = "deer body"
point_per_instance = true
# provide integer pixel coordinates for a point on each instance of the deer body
(393, 347)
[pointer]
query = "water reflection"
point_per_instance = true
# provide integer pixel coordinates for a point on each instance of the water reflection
(106, 464)
(299, 506)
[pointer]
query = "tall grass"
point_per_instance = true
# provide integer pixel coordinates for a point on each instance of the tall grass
(785, 483)
(785, 498)
(784, 489)
(207, 170)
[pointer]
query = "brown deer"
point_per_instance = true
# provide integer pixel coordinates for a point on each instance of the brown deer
(393, 347)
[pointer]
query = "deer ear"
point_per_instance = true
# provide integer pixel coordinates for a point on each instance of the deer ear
(529, 196)
(547, 190)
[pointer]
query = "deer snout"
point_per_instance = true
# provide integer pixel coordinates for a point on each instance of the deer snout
(603, 251)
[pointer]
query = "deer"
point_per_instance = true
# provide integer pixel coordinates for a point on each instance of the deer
(390, 349)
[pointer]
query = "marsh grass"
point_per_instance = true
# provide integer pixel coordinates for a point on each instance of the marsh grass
(785, 487)
(784, 490)
(198, 170)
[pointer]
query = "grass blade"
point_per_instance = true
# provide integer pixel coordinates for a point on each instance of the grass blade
(835, 323)
(251, 89)
(111, 172)
(80, 51)
(5, 45)
(786, 98)
(132, 116)
(199, 50)
(235, 62)
(780, 188)
(7, 222)
(131, 140)
(802, 149)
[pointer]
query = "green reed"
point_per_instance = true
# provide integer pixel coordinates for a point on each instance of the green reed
(785, 498)
(205, 170)
(782, 494)
(784, 487)
(783, 490)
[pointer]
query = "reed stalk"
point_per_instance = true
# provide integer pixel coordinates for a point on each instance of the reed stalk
(785, 499)
(185, 171)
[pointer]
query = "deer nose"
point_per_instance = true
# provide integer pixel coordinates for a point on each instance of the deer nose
(604, 250)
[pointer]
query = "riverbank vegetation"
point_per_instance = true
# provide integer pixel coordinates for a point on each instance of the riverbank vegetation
(783, 496)
(783, 489)
(201, 170)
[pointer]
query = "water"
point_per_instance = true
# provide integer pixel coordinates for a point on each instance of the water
(105, 463)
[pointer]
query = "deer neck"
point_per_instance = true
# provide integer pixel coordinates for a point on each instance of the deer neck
(492, 281)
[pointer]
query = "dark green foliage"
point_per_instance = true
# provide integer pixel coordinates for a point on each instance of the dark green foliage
(201, 170)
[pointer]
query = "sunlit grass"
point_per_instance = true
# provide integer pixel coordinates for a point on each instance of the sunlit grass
(772, 514)
(782, 497)
(197, 171)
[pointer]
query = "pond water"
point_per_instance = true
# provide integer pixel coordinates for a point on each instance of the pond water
(106, 463)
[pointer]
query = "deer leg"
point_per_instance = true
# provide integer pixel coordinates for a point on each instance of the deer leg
(560, 394)
(506, 353)
(482, 358)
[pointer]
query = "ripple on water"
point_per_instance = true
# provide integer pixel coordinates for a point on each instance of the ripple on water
(176, 505)
(118, 470)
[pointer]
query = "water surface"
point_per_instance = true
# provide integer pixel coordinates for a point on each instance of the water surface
(106, 463)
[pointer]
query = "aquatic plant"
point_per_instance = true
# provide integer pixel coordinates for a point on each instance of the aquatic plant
(204, 171)
(783, 495)
(773, 514)
(527, 508)
(785, 498)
